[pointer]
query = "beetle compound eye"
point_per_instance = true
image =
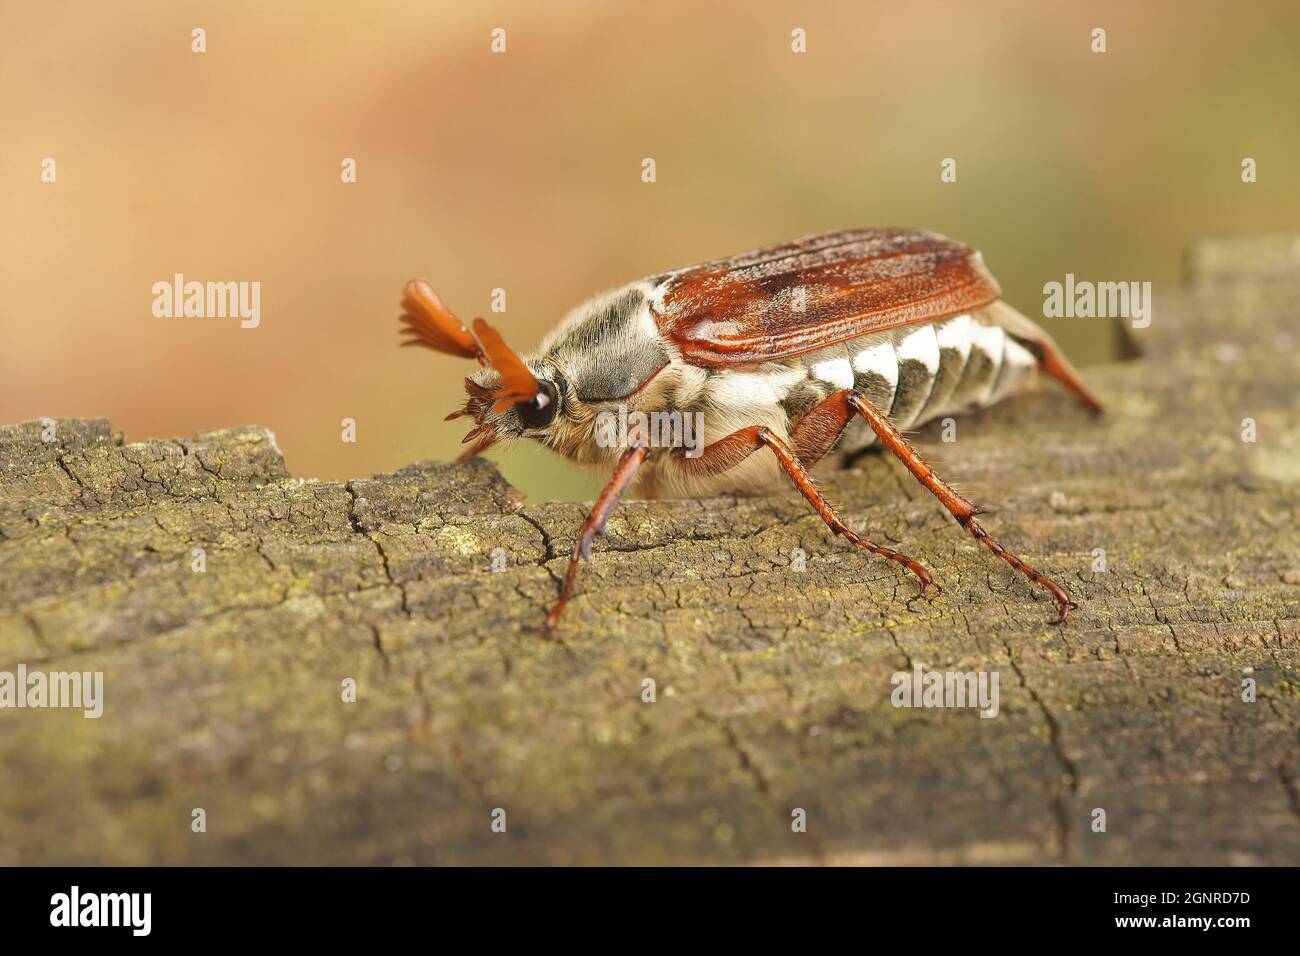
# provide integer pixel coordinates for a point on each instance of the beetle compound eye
(539, 411)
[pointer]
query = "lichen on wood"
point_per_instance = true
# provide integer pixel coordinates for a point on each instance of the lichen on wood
(226, 602)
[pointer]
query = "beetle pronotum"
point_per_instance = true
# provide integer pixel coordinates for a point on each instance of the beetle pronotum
(784, 350)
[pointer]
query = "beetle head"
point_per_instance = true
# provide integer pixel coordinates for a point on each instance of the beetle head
(508, 397)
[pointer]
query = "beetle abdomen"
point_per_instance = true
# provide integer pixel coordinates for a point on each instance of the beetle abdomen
(920, 373)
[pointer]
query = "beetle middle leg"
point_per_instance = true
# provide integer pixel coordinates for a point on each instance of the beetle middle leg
(624, 472)
(732, 450)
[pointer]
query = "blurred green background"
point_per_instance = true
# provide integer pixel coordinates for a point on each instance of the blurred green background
(522, 171)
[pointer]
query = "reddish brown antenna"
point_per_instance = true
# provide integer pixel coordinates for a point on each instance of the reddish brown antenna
(518, 384)
(431, 324)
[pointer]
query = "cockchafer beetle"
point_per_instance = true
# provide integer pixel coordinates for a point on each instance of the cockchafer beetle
(855, 335)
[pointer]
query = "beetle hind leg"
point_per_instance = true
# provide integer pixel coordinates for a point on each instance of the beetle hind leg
(960, 508)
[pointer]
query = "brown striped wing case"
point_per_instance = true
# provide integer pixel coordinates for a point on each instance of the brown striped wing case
(815, 292)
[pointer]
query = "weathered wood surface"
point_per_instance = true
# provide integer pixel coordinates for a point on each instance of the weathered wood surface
(773, 686)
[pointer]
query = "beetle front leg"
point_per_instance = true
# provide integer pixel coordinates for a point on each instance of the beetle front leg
(959, 507)
(624, 472)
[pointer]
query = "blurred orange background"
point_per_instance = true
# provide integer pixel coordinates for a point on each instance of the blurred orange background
(522, 170)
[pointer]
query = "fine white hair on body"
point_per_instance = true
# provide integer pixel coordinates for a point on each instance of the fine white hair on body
(918, 365)
(1019, 368)
(954, 336)
(768, 384)
(987, 345)
(876, 373)
(836, 372)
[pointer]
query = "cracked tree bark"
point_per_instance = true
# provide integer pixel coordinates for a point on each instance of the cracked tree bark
(223, 687)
